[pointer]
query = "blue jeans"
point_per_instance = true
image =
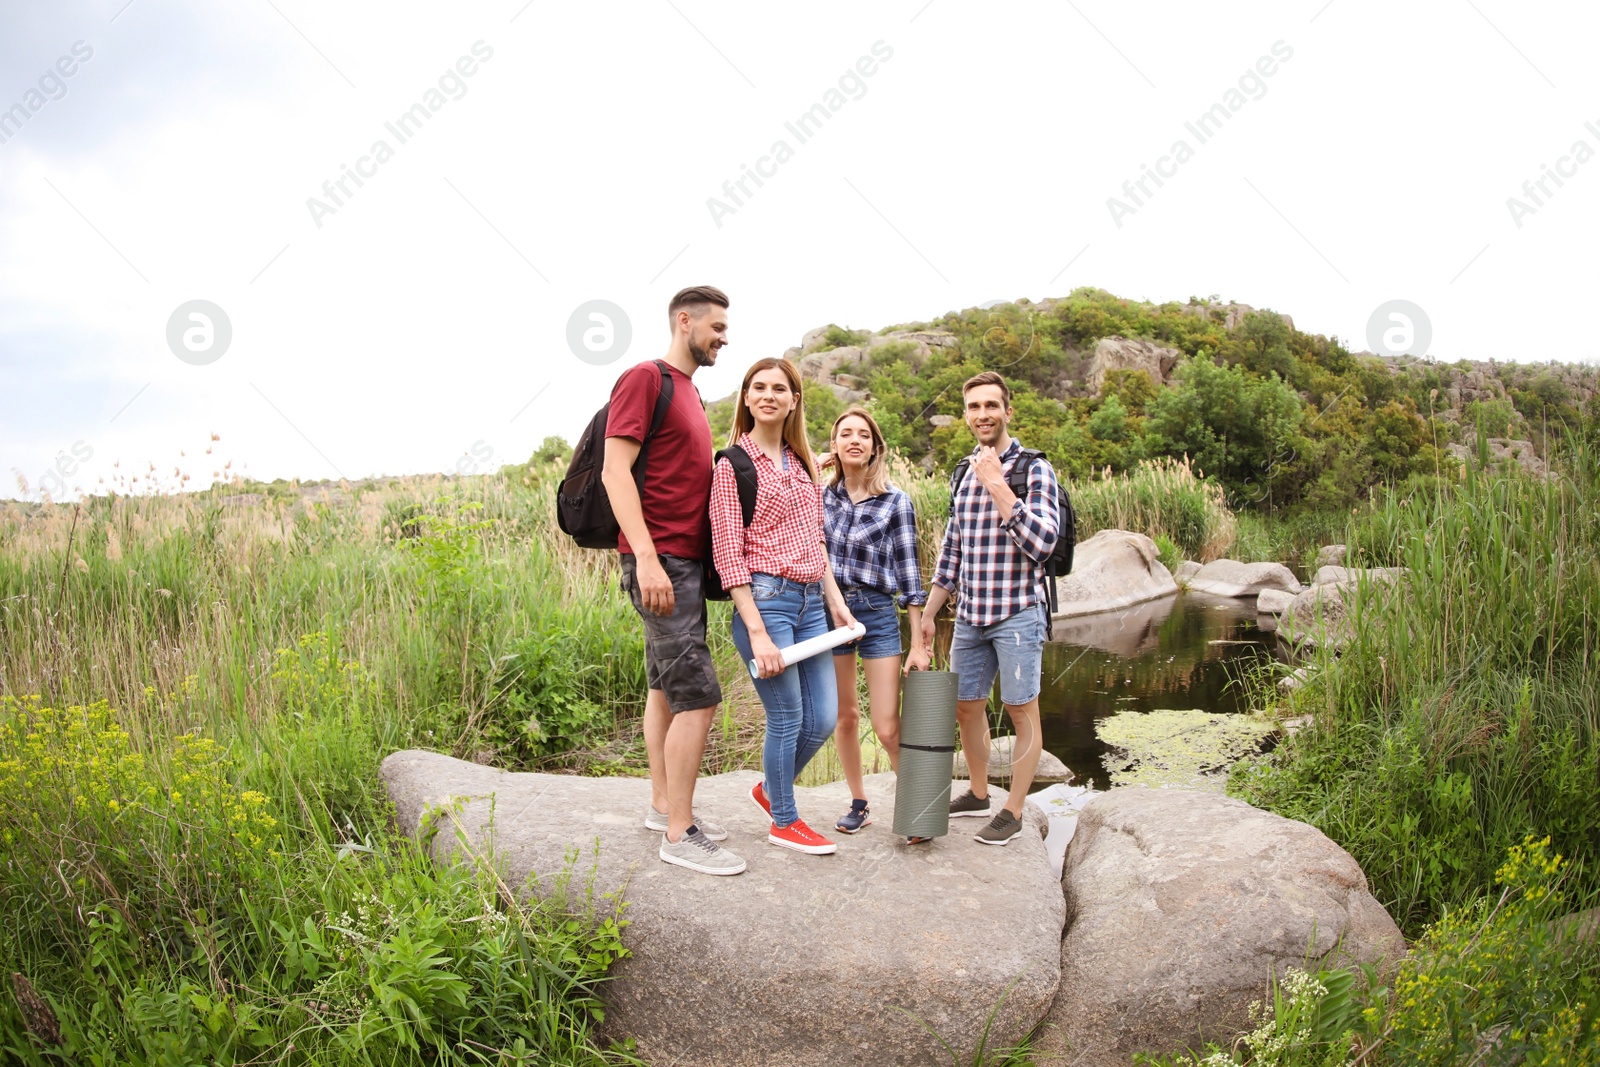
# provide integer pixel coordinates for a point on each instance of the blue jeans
(802, 703)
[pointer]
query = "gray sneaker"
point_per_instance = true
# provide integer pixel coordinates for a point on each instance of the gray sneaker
(699, 853)
(1001, 829)
(967, 804)
(657, 821)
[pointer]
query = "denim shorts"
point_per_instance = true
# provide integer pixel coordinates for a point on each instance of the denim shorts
(1013, 648)
(677, 659)
(876, 611)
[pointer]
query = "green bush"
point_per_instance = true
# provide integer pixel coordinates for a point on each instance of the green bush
(164, 914)
(1162, 498)
(1500, 980)
(1464, 714)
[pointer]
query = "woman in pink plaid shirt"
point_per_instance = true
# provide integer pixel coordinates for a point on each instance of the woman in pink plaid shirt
(782, 585)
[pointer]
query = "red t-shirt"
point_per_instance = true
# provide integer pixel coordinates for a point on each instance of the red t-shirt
(677, 479)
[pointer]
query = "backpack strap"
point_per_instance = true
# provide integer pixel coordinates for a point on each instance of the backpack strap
(744, 479)
(957, 476)
(657, 417)
(1018, 480)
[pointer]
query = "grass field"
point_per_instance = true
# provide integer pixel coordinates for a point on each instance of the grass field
(196, 691)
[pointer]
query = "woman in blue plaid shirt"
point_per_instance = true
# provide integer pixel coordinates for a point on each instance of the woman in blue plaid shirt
(871, 532)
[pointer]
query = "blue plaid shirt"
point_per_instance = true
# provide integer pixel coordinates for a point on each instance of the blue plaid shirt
(995, 563)
(873, 544)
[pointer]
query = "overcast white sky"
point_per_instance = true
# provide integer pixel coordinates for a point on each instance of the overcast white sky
(423, 324)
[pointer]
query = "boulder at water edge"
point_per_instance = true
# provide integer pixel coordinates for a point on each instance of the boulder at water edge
(1186, 569)
(1111, 570)
(1229, 577)
(814, 961)
(1320, 614)
(1050, 768)
(1273, 602)
(1181, 906)
(1337, 575)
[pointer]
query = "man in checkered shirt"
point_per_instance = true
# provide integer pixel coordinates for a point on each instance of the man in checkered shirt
(992, 559)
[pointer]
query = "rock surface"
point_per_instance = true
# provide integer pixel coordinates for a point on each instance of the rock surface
(1181, 906)
(1229, 577)
(1503, 448)
(1050, 769)
(1320, 614)
(1335, 575)
(821, 366)
(1331, 556)
(1186, 569)
(1273, 602)
(1111, 570)
(940, 930)
(1127, 632)
(1119, 353)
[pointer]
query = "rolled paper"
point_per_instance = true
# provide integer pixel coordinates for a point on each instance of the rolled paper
(811, 646)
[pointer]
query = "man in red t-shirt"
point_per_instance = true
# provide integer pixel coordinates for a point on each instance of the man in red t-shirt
(665, 543)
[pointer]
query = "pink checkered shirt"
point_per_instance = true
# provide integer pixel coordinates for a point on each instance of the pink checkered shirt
(785, 534)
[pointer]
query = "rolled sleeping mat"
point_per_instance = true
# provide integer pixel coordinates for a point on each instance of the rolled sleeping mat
(927, 754)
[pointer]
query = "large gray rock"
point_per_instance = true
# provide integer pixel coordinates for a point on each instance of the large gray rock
(813, 338)
(1050, 768)
(1114, 569)
(1320, 614)
(1119, 353)
(820, 366)
(1273, 602)
(1186, 569)
(806, 960)
(1503, 448)
(1181, 906)
(1229, 577)
(1336, 575)
(1331, 555)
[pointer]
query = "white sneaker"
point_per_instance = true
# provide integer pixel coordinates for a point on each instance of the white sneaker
(657, 821)
(699, 853)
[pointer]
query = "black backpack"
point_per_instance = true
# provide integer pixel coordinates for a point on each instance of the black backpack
(744, 479)
(1060, 561)
(583, 511)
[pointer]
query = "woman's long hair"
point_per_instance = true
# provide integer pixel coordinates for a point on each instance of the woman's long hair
(877, 473)
(794, 427)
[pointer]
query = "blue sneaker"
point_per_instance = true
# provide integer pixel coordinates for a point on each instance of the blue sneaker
(853, 820)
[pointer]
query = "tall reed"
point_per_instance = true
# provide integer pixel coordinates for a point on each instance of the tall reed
(1464, 713)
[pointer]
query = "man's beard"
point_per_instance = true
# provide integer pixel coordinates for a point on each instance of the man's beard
(703, 355)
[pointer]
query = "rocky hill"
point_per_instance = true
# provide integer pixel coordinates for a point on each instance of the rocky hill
(1272, 412)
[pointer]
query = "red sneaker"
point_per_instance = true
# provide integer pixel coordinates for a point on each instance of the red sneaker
(802, 838)
(759, 794)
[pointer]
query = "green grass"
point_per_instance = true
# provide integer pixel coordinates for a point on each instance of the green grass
(1499, 981)
(199, 866)
(1293, 539)
(1163, 499)
(1464, 715)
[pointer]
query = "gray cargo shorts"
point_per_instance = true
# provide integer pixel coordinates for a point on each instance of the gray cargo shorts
(677, 660)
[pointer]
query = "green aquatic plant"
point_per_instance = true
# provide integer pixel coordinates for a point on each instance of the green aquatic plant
(1193, 749)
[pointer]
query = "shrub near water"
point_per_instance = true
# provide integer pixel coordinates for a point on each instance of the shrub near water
(1161, 499)
(1464, 714)
(1493, 983)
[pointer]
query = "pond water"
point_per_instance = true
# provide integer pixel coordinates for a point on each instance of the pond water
(1180, 652)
